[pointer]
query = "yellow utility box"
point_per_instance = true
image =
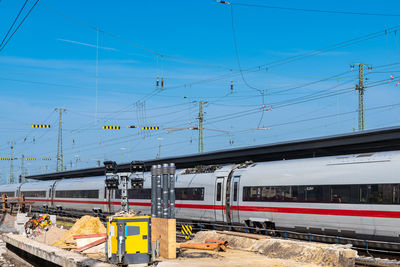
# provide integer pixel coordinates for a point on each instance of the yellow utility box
(128, 240)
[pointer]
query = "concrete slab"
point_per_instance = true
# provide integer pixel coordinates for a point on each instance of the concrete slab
(19, 225)
(52, 254)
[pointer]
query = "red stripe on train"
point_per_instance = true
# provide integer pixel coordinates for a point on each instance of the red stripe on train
(334, 212)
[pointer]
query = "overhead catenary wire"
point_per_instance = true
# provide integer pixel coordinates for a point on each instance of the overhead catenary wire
(297, 57)
(340, 12)
(287, 123)
(241, 114)
(379, 66)
(19, 25)
(12, 25)
(146, 49)
(257, 110)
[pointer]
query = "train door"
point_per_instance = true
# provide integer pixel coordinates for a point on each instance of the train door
(219, 205)
(235, 199)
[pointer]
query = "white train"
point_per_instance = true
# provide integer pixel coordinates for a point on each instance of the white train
(351, 196)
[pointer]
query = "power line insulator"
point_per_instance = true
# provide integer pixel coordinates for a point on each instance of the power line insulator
(231, 86)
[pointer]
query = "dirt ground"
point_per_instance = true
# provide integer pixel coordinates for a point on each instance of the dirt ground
(231, 257)
(51, 236)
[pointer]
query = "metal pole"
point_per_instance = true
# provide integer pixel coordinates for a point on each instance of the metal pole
(22, 169)
(124, 194)
(153, 191)
(360, 88)
(165, 178)
(12, 162)
(172, 190)
(158, 177)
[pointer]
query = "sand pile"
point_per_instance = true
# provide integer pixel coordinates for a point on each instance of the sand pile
(51, 236)
(84, 226)
(316, 253)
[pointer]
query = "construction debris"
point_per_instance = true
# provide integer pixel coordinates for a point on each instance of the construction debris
(204, 246)
(92, 244)
(11, 204)
(222, 242)
(33, 223)
(252, 236)
(86, 225)
(306, 252)
(51, 236)
(85, 242)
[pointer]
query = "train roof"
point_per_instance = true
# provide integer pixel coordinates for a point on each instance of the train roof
(383, 139)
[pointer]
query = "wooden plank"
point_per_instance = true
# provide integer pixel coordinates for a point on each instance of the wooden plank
(164, 230)
(89, 236)
(81, 242)
(95, 243)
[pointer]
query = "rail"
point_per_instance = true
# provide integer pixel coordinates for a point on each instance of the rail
(310, 237)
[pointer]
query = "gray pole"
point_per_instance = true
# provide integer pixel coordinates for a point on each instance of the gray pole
(124, 194)
(165, 178)
(153, 191)
(22, 169)
(172, 190)
(158, 177)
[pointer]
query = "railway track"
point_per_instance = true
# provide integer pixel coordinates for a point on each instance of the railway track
(371, 257)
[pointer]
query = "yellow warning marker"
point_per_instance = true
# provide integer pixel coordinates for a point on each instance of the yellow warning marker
(30, 158)
(4, 158)
(40, 126)
(186, 230)
(46, 158)
(111, 127)
(150, 128)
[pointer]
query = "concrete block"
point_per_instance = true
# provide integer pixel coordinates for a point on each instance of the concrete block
(52, 254)
(53, 219)
(20, 221)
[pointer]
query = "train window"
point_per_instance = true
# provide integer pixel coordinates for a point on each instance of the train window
(313, 193)
(190, 193)
(135, 193)
(235, 191)
(355, 194)
(34, 193)
(396, 194)
(340, 194)
(219, 191)
(77, 194)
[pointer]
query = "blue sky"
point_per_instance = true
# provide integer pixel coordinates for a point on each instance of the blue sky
(51, 62)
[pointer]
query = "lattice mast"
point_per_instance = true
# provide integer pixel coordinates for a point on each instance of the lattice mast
(60, 155)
